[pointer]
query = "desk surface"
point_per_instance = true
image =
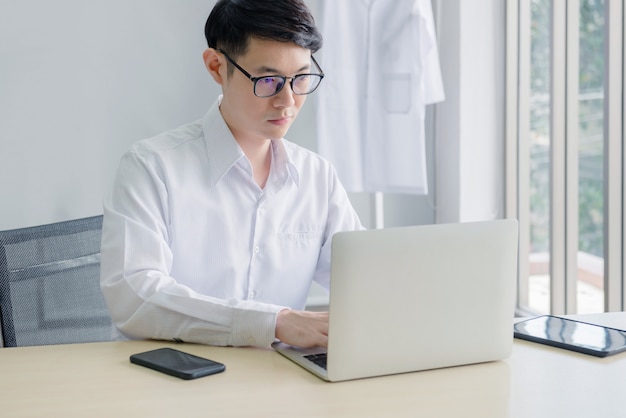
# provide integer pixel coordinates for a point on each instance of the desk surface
(98, 380)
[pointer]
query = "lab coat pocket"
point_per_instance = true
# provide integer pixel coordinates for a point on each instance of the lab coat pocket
(397, 92)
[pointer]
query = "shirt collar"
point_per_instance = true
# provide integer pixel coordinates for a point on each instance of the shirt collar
(283, 162)
(224, 152)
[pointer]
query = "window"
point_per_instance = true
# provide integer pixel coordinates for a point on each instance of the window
(565, 152)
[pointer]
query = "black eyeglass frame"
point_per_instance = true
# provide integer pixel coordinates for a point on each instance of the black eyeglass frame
(285, 78)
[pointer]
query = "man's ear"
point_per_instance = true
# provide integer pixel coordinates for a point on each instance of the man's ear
(215, 65)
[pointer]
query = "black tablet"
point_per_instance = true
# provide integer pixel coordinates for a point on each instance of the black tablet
(570, 334)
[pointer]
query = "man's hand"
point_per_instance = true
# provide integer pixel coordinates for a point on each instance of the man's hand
(302, 328)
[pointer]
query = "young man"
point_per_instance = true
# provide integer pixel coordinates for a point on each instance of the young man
(214, 231)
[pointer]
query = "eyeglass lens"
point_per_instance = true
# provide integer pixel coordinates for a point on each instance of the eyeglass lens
(301, 84)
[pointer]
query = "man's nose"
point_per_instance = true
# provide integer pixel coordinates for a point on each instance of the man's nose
(285, 97)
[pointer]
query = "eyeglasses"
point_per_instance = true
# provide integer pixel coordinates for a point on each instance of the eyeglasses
(270, 85)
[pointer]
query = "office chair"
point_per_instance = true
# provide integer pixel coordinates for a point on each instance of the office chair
(49, 285)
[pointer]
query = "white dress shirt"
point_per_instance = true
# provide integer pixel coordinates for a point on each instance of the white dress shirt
(193, 249)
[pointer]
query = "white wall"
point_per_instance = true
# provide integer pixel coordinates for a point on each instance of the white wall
(470, 123)
(79, 82)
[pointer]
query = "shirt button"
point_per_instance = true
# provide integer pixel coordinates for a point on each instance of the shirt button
(257, 249)
(251, 294)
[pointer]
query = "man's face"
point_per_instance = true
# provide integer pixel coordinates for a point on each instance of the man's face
(252, 118)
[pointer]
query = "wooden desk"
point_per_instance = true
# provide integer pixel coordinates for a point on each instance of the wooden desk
(90, 380)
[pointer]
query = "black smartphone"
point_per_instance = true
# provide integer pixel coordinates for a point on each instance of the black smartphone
(596, 340)
(177, 363)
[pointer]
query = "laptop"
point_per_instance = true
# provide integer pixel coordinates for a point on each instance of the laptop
(415, 298)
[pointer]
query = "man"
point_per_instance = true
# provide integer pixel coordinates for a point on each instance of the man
(214, 231)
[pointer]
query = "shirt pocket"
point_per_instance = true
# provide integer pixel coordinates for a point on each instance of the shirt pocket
(302, 236)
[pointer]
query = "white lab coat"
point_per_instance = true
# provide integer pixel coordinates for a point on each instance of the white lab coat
(382, 67)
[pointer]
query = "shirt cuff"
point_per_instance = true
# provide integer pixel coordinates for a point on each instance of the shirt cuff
(255, 327)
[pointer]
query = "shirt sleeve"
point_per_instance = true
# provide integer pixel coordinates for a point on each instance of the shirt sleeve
(341, 217)
(143, 299)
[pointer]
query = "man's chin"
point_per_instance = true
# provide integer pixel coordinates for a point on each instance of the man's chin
(277, 133)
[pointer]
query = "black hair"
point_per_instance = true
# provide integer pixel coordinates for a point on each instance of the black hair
(232, 23)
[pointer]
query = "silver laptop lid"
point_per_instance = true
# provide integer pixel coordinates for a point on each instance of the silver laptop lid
(421, 297)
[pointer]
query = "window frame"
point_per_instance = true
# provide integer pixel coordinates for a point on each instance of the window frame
(564, 44)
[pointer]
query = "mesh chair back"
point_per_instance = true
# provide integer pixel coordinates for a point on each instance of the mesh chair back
(50, 285)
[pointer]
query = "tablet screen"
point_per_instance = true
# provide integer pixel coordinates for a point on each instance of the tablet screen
(573, 335)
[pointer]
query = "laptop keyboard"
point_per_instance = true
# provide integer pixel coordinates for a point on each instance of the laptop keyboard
(319, 359)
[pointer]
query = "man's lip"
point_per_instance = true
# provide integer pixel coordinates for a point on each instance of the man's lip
(281, 120)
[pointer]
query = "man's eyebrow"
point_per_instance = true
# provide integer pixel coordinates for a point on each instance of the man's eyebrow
(270, 70)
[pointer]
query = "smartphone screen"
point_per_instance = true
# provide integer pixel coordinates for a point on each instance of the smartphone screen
(177, 363)
(573, 335)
